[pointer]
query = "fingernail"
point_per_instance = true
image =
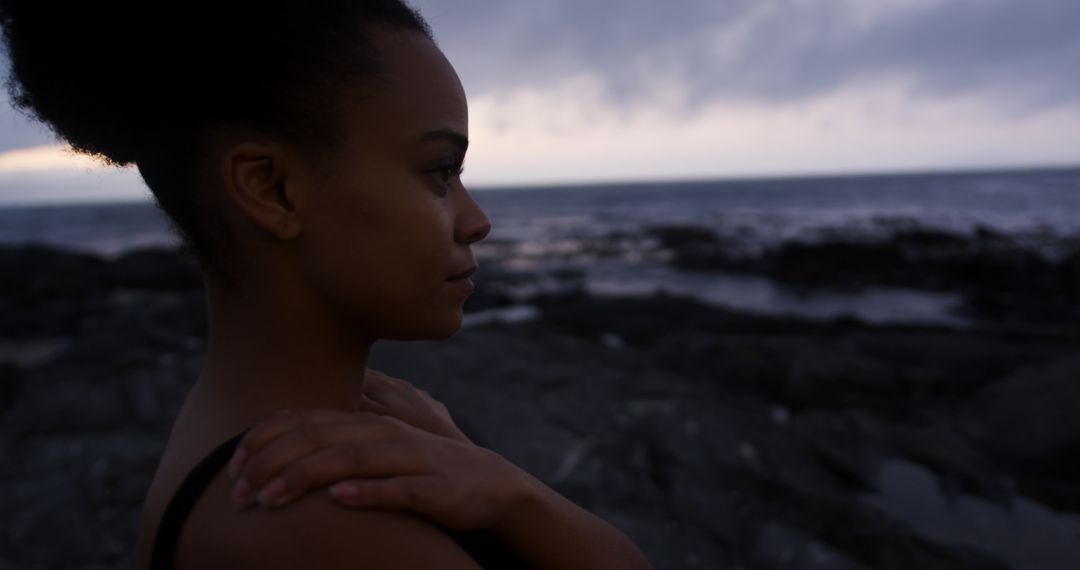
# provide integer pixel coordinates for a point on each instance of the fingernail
(343, 491)
(242, 493)
(270, 494)
(237, 462)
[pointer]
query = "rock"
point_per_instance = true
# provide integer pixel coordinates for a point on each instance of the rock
(923, 240)
(36, 271)
(823, 376)
(1028, 423)
(779, 547)
(1070, 270)
(739, 365)
(70, 406)
(11, 384)
(961, 466)
(835, 263)
(698, 249)
(849, 445)
(678, 237)
(154, 268)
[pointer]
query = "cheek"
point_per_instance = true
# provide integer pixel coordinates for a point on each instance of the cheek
(384, 270)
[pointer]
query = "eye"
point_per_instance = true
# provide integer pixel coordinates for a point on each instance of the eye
(444, 175)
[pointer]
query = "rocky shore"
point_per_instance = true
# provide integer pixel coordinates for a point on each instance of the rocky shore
(1002, 277)
(717, 439)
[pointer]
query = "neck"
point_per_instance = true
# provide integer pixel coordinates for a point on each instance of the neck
(271, 350)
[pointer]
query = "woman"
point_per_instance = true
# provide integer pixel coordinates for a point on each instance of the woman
(311, 157)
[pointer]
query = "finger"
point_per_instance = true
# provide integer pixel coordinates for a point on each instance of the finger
(373, 372)
(327, 466)
(266, 463)
(383, 382)
(270, 429)
(390, 392)
(410, 493)
(377, 382)
(364, 403)
(376, 378)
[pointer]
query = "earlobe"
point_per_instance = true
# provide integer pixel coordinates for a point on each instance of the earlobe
(257, 184)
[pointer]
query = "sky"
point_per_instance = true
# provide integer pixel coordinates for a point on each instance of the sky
(565, 91)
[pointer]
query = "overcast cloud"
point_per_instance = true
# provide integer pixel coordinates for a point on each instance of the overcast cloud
(1022, 55)
(579, 90)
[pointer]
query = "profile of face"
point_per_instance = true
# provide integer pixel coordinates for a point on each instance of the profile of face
(388, 226)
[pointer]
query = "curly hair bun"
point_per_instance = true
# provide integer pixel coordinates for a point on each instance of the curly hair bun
(113, 77)
(98, 80)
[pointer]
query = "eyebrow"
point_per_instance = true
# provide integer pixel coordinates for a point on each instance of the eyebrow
(447, 135)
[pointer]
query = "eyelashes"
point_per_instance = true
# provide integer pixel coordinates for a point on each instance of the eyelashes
(445, 175)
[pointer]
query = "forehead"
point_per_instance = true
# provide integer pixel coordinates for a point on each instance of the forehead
(417, 92)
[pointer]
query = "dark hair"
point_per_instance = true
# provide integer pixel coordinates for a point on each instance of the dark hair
(138, 82)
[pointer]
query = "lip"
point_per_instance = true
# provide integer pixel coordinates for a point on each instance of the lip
(461, 281)
(463, 275)
(463, 286)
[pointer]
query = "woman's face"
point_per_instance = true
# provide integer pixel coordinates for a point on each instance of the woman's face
(388, 227)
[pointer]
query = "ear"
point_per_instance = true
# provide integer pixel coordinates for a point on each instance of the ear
(257, 182)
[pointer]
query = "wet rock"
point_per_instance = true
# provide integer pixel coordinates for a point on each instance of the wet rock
(33, 316)
(1029, 424)
(71, 406)
(999, 277)
(735, 363)
(677, 237)
(849, 445)
(778, 547)
(11, 384)
(1030, 419)
(35, 271)
(961, 466)
(834, 263)
(822, 376)
(154, 268)
(925, 240)
(694, 248)
(1070, 269)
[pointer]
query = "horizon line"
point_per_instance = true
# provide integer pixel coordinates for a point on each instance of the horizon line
(586, 183)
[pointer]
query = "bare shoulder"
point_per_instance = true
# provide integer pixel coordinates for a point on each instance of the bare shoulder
(311, 533)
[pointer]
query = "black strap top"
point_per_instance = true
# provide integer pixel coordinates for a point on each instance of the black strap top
(483, 546)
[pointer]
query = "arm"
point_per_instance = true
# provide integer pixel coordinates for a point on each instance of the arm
(553, 532)
(380, 461)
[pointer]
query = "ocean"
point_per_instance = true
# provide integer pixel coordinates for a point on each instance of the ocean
(598, 236)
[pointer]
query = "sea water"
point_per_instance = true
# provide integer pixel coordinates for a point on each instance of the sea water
(600, 232)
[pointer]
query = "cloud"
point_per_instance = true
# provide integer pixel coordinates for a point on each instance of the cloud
(1019, 55)
(46, 158)
(568, 135)
(601, 89)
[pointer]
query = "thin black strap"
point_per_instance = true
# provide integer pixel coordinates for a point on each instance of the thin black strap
(483, 546)
(179, 507)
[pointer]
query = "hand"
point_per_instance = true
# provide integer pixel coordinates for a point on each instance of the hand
(376, 461)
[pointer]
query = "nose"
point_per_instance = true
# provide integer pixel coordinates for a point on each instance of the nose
(473, 223)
